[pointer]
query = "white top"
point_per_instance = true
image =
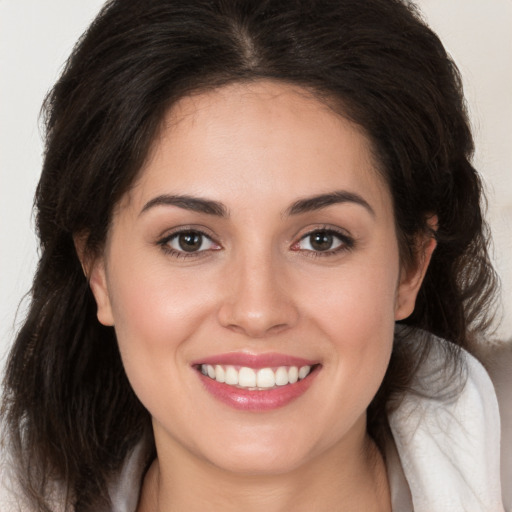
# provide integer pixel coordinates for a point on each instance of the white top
(448, 447)
(446, 451)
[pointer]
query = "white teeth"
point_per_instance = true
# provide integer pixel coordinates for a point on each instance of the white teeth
(303, 372)
(231, 376)
(247, 377)
(220, 374)
(293, 374)
(263, 378)
(281, 376)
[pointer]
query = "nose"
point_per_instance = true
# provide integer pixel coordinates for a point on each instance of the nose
(258, 299)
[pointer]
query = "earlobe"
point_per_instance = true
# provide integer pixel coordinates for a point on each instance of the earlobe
(412, 278)
(94, 270)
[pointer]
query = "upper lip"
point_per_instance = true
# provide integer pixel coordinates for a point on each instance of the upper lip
(256, 361)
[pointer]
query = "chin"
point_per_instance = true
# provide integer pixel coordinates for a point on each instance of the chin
(261, 454)
(259, 464)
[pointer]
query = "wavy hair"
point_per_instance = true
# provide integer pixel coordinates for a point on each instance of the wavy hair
(69, 410)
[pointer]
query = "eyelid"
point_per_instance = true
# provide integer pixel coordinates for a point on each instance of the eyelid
(347, 241)
(163, 241)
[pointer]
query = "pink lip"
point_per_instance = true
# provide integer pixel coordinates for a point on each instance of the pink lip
(257, 400)
(256, 361)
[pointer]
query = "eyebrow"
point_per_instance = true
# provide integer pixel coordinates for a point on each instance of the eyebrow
(320, 201)
(186, 202)
(218, 209)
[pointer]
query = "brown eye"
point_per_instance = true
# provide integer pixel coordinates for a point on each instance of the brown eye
(321, 241)
(190, 242)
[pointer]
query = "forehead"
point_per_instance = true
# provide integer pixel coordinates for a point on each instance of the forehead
(257, 138)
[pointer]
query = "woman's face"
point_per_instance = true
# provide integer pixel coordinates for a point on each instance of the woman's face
(259, 243)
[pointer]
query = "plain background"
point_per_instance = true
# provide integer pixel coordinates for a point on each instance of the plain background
(36, 36)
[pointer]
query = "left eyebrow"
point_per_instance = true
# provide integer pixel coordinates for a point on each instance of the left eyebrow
(320, 201)
(196, 204)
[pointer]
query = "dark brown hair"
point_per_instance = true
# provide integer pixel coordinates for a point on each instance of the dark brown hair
(70, 412)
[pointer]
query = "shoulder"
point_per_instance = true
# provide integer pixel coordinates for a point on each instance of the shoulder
(123, 489)
(447, 433)
(497, 359)
(12, 496)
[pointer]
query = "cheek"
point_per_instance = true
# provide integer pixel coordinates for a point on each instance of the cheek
(152, 304)
(355, 311)
(155, 313)
(359, 301)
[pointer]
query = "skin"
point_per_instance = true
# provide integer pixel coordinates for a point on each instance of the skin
(257, 285)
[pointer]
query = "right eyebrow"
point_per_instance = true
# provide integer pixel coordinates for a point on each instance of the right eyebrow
(320, 201)
(195, 204)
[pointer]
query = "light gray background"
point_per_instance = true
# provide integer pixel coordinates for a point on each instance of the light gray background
(36, 36)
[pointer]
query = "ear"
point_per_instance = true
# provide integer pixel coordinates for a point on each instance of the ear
(94, 270)
(412, 277)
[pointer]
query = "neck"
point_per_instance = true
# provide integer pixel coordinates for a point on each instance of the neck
(332, 481)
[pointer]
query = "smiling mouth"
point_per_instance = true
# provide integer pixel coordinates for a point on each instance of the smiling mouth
(261, 379)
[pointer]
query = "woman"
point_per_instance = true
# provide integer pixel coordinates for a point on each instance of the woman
(258, 224)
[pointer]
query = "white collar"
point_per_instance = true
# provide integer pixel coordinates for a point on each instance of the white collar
(449, 447)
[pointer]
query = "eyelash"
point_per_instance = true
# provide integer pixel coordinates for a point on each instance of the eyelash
(165, 241)
(347, 243)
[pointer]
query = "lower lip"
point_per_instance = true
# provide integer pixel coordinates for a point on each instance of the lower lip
(254, 400)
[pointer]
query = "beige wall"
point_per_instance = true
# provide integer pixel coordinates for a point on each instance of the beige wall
(36, 36)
